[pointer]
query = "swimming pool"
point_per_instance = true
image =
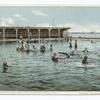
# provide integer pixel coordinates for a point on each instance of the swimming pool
(33, 72)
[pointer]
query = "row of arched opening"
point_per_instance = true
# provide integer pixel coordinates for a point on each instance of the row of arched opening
(33, 33)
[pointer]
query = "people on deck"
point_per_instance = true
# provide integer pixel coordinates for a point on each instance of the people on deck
(84, 61)
(55, 58)
(85, 50)
(5, 66)
(51, 48)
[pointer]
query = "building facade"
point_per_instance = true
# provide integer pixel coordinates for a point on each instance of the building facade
(33, 32)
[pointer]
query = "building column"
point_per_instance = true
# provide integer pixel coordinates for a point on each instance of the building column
(58, 33)
(49, 33)
(28, 33)
(3, 33)
(39, 34)
(16, 33)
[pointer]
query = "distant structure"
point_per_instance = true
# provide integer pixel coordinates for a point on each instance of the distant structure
(33, 32)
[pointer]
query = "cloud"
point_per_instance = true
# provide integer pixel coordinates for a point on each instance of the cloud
(37, 12)
(81, 28)
(8, 20)
(19, 16)
(43, 25)
(74, 27)
(4, 24)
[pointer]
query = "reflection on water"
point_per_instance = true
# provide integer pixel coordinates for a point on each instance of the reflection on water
(33, 72)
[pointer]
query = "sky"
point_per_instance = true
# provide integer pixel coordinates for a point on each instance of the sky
(80, 19)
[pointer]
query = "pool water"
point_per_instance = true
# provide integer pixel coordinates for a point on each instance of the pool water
(34, 71)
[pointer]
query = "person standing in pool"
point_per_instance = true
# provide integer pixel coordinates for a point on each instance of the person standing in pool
(70, 44)
(51, 48)
(67, 39)
(5, 66)
(28, 49)
(71, 39)
(22, 47)
(75, 43)
(84, 61)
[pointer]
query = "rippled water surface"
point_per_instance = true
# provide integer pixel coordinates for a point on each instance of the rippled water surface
(33, 72)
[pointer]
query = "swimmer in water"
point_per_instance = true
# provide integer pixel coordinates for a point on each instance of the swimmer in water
(51, 48)
(55, 58)
(85, 50)
(72, 53)
(68, 55)
(84, 61)
(18, 49)
(42, 48)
